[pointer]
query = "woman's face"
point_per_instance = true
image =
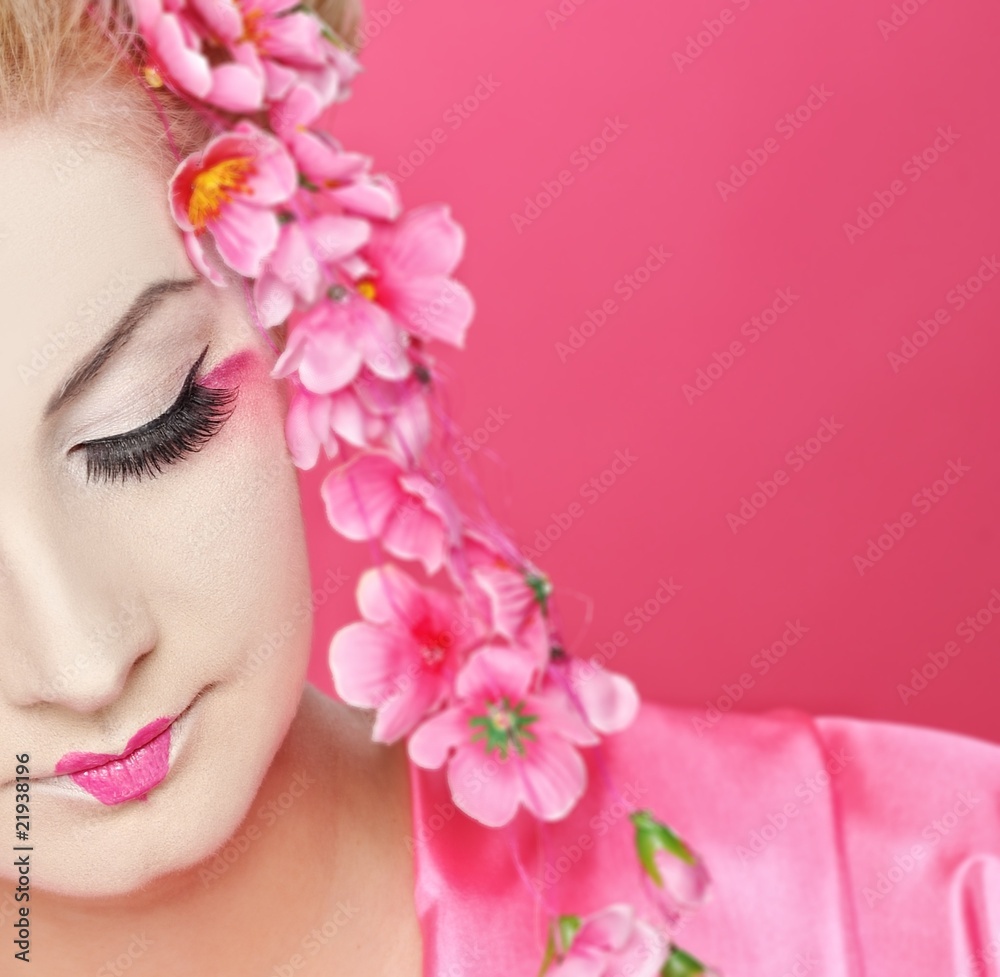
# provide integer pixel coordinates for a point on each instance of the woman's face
(127, 601)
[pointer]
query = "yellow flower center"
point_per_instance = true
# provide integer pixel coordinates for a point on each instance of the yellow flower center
(252, 31)
(366, 287)
(215, 186)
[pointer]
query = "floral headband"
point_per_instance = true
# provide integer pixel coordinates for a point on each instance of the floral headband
(471, 671)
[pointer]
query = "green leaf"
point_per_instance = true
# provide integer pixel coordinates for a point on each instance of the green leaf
(568, 927)
(680, 963)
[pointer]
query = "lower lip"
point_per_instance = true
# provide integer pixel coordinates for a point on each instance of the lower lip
(128, 777)
(132, 776)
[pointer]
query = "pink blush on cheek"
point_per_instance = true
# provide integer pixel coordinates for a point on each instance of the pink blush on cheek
(232, 371)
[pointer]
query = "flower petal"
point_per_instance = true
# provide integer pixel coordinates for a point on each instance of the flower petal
(330, 361)
(387, 594)
(426, 242)
(195, 251)
(413, 533)
(555, 778)
(485, 787)
(610, 700)
(609, 929)
(430, 743)
(366, 662)
(245, 236)
(334, 236)
(493, 672)
(361, 495)
(404, 711)
(435, 308)
(185, 66)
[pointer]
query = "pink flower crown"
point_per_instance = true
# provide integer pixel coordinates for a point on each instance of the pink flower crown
(472, 671)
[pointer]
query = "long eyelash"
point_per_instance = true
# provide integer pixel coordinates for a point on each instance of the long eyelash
(193, 418)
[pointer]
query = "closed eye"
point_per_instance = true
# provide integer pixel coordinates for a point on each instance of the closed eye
(185, 426)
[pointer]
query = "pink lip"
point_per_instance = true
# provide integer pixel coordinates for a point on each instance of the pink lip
(114, 778)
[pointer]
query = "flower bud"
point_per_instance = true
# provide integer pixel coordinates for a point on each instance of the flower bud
(669, 862)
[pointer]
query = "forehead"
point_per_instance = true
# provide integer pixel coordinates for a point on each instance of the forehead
(83, 228)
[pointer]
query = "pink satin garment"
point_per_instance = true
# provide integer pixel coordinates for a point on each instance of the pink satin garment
(838, 848)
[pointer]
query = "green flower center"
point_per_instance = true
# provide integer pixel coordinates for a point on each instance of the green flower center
(504, 727)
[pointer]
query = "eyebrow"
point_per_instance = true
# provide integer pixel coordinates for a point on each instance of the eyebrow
(141, 308)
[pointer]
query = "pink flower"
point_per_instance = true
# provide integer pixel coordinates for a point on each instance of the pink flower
(308, 428)
(175, 33)
(342, 177)
(401, 659)
(609, 701)
(370, 413)
(292, 47)
(334, 339)
(374, 196)
(607, 943)
(396, 416)
(372, 497)
(514, 596)
(412, 260)
(505, 745)
(229, 190)
(295, 269)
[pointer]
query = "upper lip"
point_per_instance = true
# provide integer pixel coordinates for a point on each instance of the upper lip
(75, 762)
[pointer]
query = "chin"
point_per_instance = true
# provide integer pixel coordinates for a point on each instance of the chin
(100, 851)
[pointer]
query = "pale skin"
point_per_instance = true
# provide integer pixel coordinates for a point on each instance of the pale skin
(121, 601)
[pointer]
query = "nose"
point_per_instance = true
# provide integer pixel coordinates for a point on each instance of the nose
(72, 630)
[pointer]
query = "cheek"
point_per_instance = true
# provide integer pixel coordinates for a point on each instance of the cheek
(226, 528)
(261, 403)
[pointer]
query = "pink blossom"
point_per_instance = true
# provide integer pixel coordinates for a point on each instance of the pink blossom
(308, 428)
(292, 47)
(370, 413)
(334, 339)
(229, 190)
(608, 943)
(396, 416)
(402, 658)
(175, 33)
(372, 497)
(412, 260)
(319, 155)
(368, 195)
(295, 269)
(340, 176)
(514, 596)
(500, 592)
(515, 745)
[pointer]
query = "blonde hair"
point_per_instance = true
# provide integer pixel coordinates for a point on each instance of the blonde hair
(53, 54)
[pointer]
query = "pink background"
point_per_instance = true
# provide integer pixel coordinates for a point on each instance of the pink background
(548, 85)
